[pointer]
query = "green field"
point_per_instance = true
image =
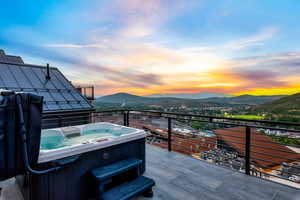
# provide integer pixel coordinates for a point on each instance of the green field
(254, 117)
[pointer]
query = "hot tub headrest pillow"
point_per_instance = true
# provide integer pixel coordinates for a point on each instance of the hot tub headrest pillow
(20, 133)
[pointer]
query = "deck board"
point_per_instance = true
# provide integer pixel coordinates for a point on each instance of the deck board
(181, 177)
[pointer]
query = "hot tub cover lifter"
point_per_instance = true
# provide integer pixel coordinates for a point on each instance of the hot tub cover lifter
(20, 133)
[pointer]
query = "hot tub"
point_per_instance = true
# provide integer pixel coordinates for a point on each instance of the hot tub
(78, 150)
(67, 141)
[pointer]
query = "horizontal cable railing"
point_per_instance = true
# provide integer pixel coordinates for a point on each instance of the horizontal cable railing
(240, 144)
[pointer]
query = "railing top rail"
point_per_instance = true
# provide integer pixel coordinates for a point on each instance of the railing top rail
(225, 118)
(210, 117)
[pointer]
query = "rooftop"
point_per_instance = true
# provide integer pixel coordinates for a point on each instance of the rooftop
(263, 148)
(58, 92)
(182, 177)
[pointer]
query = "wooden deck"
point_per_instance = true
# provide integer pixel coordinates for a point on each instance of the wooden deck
(181, 177)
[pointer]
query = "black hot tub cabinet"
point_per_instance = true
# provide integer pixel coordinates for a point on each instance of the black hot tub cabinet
(74, 180)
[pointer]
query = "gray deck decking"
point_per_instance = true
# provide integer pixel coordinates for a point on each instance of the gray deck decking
(180, 177)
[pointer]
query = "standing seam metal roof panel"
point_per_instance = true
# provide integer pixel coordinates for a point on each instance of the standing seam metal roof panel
(1, 83)
(35, 81)
(20, 76)
(7, 77)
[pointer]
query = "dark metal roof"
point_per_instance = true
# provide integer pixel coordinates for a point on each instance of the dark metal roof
(59, 94)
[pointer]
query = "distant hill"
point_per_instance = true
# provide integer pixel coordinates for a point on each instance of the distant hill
(122, 98)
(286, 105)
(243, 99)
(133, 99)
(201, 95)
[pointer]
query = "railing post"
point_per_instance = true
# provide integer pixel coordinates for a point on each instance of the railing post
(247, 150)
(169, 134)
(124, 118)
(127, 116)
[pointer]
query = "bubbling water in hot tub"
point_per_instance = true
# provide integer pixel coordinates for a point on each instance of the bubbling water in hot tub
(70, 136)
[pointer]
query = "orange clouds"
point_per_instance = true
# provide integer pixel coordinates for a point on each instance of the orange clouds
(270, 91)
(170, 73)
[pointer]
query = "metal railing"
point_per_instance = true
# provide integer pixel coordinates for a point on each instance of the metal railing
(256, 153)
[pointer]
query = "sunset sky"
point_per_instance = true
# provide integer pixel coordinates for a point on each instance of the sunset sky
(161, 46)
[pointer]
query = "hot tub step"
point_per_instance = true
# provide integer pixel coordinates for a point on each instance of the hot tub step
(129, 190)
(109, 171)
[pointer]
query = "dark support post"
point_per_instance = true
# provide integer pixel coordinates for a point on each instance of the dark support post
(124, 118)
(169, 134)
(93, 93)
(127, 116)
(247, 150)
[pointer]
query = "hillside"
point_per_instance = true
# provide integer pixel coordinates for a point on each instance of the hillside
(125, 98)
(244, 99)
(286, 105)
(134, 99)
(201, 95)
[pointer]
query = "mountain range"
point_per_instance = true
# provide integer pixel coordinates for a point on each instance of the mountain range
(134, 99)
